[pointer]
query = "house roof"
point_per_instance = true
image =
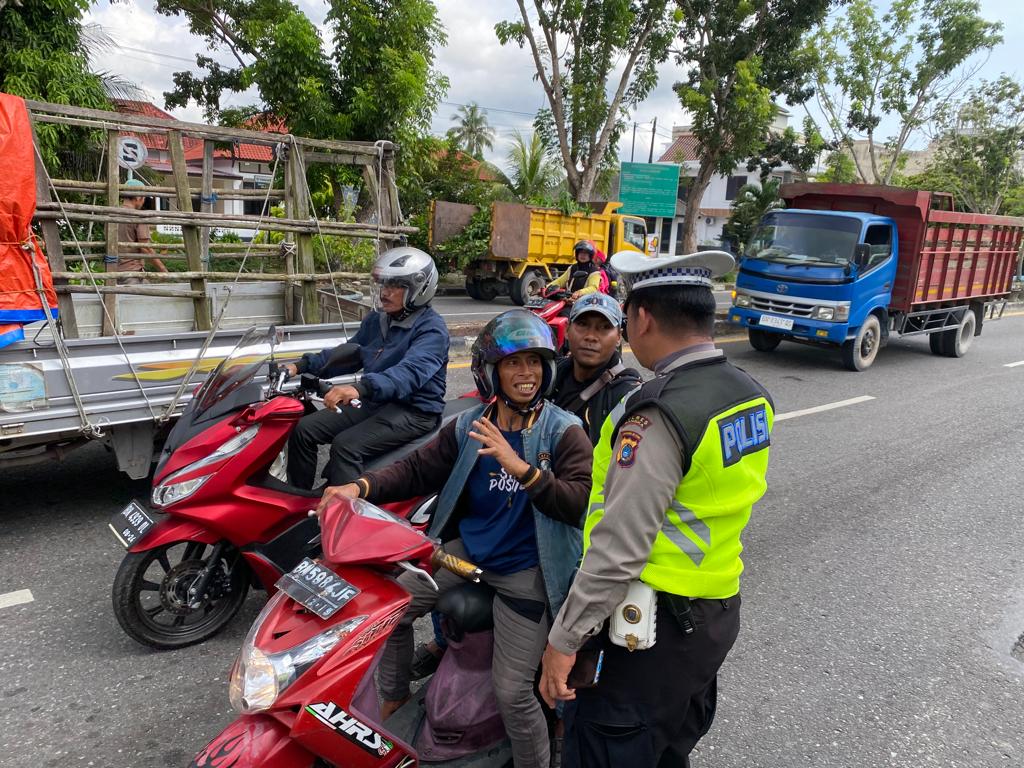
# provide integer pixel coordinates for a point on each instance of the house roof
(482, 170)
(683, 149)
(257, 153)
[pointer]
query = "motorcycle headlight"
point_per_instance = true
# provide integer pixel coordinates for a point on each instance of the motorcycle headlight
(741, 299)
(172, 490)
(258, 678)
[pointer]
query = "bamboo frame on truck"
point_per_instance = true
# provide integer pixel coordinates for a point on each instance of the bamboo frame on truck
(299, 278)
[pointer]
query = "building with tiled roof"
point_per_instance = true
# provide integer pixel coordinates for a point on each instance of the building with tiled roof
(716, 203)
(239, 166)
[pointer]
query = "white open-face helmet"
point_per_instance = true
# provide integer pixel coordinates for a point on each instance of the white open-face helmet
(408, 268)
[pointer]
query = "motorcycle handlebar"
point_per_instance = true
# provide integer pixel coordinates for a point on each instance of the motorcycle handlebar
(458, 566)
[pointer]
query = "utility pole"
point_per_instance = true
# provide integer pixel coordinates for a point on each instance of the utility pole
(632, 149)
(654, 131)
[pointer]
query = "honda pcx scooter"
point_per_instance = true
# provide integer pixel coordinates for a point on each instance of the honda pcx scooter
(228, 520)
(303, 681)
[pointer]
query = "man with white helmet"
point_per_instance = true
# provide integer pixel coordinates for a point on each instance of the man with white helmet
(404, 358)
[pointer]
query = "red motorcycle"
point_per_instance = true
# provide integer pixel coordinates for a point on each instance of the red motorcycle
(552, 306)
(304, 680)
(229, 521)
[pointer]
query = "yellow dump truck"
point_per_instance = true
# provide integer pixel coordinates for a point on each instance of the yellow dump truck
(530, 246)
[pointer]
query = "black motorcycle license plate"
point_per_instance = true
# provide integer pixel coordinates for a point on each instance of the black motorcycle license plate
(131, 525)
(317, 588)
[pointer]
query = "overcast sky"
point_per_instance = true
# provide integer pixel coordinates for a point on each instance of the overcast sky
(151, 47)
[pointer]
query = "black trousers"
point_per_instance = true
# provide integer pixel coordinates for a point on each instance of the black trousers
(651, 707)
(356, 435)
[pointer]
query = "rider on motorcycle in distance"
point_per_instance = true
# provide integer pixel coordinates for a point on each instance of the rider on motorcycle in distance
(513, 477)
(404, 358)
(583, 277)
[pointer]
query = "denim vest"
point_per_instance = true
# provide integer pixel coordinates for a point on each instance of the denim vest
(559, 546)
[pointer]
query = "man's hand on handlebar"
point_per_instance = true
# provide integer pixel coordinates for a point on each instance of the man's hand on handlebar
(334, 492)
(340, 395)
(292, 369)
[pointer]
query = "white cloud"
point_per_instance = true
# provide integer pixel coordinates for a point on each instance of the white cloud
(478, 67)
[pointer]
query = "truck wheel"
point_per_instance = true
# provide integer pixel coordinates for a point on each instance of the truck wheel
(473, 289)
(488, 290)
(959, 339)
(936, 342)
(526, 287)
(763, 341)
(860, 353)
(151, 601)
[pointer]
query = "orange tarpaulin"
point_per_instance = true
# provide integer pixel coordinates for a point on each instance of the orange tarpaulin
(19, 298)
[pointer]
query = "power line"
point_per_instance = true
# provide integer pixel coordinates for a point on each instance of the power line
(490, 109)
(154, 53)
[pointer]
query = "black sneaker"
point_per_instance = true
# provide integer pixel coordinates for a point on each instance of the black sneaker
(424, 662)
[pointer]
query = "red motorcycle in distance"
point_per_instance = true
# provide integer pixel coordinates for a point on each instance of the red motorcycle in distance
(552, 306)
(304, 680)
(228, 521)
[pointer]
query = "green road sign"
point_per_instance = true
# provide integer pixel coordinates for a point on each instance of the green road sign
(649, 189)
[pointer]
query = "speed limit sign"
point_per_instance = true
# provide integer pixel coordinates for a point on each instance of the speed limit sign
(131, 152)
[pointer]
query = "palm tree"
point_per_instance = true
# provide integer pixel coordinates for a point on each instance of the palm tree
(472, 134)
(532, 173)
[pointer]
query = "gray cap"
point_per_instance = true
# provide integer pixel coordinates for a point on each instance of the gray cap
(601, 303)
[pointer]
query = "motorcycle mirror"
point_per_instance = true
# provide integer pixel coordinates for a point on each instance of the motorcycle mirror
(343, 354)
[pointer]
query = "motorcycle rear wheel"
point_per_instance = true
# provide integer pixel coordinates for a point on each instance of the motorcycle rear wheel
(150, 594)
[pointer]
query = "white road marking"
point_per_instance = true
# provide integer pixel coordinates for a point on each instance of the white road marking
(1014, 365)
(826, 407)
(16, 598)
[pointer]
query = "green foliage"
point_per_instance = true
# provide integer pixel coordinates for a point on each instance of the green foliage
(473, 134)
(751, 203)
(839, 168)
(43, 56)
(531, 170)
(904, 63)
(563, 202)
(376, 79)
(740, 55)
(470, 244)
(596, 60)
(799, 151)
(981, 141)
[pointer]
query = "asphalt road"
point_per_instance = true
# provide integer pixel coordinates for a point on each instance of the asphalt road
(881, 600)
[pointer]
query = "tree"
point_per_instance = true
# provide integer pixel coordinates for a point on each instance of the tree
(578, 48)
(799, 151)
(531, 171)
(472, 134)
(839, 168)
(981, 143)
(751, 203)
(740, 55)
(904, 65)
(44, 55)
(374, 81)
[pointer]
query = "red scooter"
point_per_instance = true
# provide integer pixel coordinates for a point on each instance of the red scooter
(303, 681)
(552, 306)
(228, 520)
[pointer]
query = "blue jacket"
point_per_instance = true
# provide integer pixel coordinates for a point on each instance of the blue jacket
(402, 361)
(559, 546)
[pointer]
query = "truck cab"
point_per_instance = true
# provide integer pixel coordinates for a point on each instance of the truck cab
(816, 276)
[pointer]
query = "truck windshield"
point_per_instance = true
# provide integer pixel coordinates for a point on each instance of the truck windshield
(804, 238)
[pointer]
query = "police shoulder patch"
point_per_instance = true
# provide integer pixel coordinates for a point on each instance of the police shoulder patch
(629, 444)
(638, 421)
(743, 433)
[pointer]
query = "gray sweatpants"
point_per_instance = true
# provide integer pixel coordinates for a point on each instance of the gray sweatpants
(518, 645)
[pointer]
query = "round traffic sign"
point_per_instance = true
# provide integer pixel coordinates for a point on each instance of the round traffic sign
(131, 152)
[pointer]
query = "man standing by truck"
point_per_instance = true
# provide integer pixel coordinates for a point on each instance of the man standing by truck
(676, 472)
(136, 232)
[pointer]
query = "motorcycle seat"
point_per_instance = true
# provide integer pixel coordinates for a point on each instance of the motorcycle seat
(452, 408)
(467, 608)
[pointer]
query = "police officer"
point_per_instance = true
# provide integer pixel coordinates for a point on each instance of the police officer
(677, 469)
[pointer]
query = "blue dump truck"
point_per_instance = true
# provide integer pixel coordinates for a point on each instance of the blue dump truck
(849, 265)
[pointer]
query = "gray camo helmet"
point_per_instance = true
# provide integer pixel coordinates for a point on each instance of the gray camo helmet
(410, 268)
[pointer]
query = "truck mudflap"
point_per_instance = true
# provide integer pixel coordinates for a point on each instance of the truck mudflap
(251, 741)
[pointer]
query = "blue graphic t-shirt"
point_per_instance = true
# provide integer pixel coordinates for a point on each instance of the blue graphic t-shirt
(497, 529)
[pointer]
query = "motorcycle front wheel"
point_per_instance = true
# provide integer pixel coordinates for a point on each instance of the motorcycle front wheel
(151, 593)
